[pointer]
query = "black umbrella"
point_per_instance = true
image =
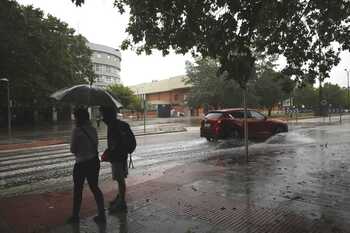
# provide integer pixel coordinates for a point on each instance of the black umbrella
(86, 95)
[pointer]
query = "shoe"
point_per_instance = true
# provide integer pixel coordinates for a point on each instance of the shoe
(100, 219)
(118, 207)
(73, 220)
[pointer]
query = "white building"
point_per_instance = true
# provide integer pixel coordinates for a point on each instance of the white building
(106, 64)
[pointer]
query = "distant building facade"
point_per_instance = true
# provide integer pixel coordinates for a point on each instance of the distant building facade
(106, 64)
(167, 97)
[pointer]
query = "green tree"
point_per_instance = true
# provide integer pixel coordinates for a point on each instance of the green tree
(136, 104)
(126, 97)
(270, 88)
(305, 96)
(39, 54)
(334, 95)
(232, 31)
(210, 89)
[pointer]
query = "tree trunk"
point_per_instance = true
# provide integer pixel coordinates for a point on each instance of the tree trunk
(269, 111)
(321, 109)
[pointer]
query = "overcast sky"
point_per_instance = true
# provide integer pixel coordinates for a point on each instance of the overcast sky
(100, 23)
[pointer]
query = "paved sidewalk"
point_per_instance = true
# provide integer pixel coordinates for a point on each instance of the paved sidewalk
(186, 199)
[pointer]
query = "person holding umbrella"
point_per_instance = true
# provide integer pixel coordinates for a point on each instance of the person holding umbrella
(116, 156)
(84, 144)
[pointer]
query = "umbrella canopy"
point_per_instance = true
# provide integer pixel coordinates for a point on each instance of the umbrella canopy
(86, 95)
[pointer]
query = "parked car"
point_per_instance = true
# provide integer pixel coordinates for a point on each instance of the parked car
(229, 123)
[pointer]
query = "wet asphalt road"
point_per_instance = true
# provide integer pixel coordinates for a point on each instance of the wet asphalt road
(49, 168)
(306, 171)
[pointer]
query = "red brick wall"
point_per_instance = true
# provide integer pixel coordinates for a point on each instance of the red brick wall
(175, 98)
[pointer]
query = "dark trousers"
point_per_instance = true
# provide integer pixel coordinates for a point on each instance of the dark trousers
(87, 170)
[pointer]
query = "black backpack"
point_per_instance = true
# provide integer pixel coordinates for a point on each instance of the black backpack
(128, 140)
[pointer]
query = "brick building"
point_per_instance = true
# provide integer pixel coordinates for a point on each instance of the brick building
(167, 97)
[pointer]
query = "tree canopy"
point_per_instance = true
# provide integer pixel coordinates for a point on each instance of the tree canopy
(126, 96)
(307, 96)
(39, 54)
(309, 33)
(209, 89)
(334, 95)
(270, 89)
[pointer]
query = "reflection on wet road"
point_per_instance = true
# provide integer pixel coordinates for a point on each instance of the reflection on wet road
(306, 171)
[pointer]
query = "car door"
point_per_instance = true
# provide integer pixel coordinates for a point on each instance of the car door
(237, 121)
(258, 126)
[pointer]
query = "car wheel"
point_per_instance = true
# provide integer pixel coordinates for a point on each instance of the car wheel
(279, 129)
(234, 134)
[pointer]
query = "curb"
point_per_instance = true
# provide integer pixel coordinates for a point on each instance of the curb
(53, 142)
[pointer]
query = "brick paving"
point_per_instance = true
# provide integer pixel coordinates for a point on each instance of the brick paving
(173, 202)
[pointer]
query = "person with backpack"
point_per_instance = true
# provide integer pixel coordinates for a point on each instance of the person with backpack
(83, 145)
(120, 142)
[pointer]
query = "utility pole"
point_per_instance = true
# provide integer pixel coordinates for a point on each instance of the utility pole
(348, 100)
(144, 111)
(245, 125)
(8, 107)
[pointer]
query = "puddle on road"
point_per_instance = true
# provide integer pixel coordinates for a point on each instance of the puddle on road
(294, 137)
(306, 171)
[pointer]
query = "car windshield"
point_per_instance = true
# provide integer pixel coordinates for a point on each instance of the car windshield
(213, 115)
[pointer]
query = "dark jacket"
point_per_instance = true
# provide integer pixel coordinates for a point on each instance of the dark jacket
(115, 140)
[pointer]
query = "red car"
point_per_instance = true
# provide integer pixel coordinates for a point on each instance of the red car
(229, 123)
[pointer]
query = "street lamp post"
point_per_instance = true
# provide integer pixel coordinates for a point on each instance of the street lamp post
(8, 107)
(347, 75)
(144, 112)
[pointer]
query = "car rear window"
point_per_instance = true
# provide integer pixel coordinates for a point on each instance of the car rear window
(213, 115)
(237, 114)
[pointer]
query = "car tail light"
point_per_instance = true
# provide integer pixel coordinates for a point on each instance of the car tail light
(217, 126)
